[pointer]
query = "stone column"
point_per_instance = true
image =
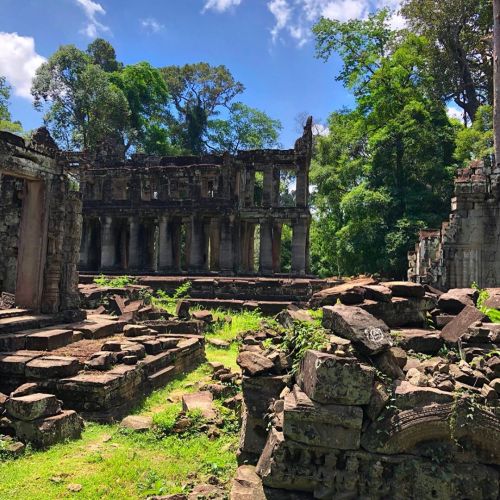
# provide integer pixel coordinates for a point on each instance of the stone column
(85, 244)
(197, 241)
(277, 247)
(107, 244)
(154, 245)
(175, 231)
(165, 244)
(266, 248)
(215, 231)
(301, 190)
(275, 202)
(134, 255)
(299, 246)
(226, 256)
(267, 188)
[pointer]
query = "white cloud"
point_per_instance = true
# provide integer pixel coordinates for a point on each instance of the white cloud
(320, 129)
(152, 25)
(220, 5)
(282, 12)
(295, 17)
(19, 62)
(91, 10)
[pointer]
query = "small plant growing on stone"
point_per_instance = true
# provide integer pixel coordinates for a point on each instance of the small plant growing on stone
(116, 282)
(493, 314)
(301, 338)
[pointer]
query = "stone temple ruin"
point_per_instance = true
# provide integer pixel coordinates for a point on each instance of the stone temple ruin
(399, 397)
(466, 248)
(196, 214)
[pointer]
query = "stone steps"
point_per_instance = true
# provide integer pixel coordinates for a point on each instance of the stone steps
(26, 322)
(12, 313)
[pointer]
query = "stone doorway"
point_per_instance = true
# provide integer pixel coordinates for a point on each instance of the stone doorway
(24, 241)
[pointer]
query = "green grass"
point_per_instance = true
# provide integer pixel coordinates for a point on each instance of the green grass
(113, 464)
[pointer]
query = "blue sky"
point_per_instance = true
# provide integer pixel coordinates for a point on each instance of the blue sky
(266, 44)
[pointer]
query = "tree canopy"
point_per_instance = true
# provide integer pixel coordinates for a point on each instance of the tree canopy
(385, 169)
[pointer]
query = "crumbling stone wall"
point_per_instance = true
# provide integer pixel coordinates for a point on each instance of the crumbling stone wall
(466, 248)
(40, 224)
(10, 219)
(195, 214)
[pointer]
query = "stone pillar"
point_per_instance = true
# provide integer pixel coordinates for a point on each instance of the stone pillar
(134, 253)
(107, 243)
(277, 247)
(267, 188)
(302, 188)
(299, 247)
(215, 236)
(197, 241)
(165, 244)
(275, 202)
(226, 255)
(266, 248)
(154, 245)
(85, 245)
(175, 231)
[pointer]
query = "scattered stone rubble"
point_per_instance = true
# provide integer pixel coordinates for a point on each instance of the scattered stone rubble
(380, 411)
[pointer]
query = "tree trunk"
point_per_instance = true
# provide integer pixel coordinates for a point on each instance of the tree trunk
(496, 79)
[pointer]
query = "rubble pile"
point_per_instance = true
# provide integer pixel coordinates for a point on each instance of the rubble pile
(38, 419)
(377, 411)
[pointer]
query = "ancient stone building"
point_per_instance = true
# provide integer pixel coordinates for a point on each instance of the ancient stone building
(467, 247)
(217, 213)
(40, 225)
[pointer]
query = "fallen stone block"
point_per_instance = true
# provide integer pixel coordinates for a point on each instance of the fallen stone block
(454, 330)
(326, 378)
(202, 401)
(221, 344)
(331, 426)
(205, 316)
(368, 333)
(33, 406)
(379, 293)
(405, 289)
(287, 317)
(330, 296)
(454, 300)
(254, 363)
(137, 423)
(247, 485)
(408, 396)
(45, 432)
(418, 340)
(134, 330)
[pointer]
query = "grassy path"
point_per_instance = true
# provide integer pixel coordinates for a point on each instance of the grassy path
(113, 464)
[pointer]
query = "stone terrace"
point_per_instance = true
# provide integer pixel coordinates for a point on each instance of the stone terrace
(100, 367)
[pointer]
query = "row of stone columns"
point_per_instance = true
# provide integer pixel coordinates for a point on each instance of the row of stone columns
(216, 244)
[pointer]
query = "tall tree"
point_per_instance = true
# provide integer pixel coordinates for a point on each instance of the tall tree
(91, 99)
(198, 92)
(460, 49)
(385, 169)
(245, 128)
(82, 103)
(103, 54)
